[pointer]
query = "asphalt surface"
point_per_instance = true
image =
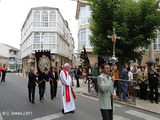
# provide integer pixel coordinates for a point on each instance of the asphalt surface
(14, 105)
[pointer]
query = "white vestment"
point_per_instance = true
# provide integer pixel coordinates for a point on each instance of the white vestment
(67, 106)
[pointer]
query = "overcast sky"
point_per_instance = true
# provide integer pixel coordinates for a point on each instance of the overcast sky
(14, 12)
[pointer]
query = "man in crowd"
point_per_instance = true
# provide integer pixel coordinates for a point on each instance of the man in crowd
(77, 75)
(67, 93)
(124, 76)
(106, 93)
(95, 73)
(31, 85)
(53, 83)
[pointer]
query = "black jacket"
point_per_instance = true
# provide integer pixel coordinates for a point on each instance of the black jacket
(153, 81)
(32, 80)
(78, 73)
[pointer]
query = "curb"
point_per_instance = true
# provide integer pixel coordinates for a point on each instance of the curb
(122, 103)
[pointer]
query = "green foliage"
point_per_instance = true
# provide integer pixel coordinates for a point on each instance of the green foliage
(135, 22)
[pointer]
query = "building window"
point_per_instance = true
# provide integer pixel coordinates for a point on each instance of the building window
(157, 60)
(157, 43)
(36, 19)
(44, 40)
(83, 37)
(52, 19)
(36, 38)
(44, 19)
(83, 15)
(52, 38)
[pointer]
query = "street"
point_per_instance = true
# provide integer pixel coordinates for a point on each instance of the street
(14, 105)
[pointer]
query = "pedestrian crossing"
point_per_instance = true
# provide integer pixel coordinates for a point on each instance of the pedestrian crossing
(141, 115)
(118, 117)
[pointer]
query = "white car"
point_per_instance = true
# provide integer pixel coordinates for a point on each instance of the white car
(10, 70)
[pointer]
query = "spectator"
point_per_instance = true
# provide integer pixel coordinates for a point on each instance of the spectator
(60, 70)
(130, 86)
(84, 73)
(124, 76)
(71, 72)
(146, 67)
(153, 84)
(143, 81)
(138, 69)
(134, 69)
(157, 68)
(95, 73)
(117, 82)
(77, 75)
(131, 68)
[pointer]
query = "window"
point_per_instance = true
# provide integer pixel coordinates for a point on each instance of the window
(83, 37)
(83, 15)
(36, 38)
(36, 19)
(52, 19)
(157, 60)
(44, 40)
(52, 38)
(44, 19)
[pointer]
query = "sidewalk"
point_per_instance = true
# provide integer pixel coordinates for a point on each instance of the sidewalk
(140, 104)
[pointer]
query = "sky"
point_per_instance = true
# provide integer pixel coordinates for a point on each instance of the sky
(14, 12)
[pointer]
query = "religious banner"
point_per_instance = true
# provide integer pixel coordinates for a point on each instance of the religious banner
(43, 59)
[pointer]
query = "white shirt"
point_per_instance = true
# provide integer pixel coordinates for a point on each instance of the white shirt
(130, 76)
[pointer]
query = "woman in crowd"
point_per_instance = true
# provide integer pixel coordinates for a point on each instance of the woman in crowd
(143, 81)
(130, 86)
(153, 84)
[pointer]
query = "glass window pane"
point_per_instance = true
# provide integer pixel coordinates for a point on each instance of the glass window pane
(155, 46)
(44, 19)
(83, 37)
(36, 38)
(44, 38)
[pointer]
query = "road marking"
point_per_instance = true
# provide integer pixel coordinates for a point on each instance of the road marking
(1, 117)
(141, 115)
(95, 99)
(51, 117)
(117, 117)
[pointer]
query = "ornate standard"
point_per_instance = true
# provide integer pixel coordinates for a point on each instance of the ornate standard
(114, 59)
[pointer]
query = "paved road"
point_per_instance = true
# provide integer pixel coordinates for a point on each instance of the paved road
(14, 105)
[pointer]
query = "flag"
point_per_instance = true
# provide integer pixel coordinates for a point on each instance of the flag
(43, 59)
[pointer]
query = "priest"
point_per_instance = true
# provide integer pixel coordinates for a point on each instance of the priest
(67, 93)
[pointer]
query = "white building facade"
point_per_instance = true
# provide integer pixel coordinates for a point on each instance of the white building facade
(46, 29)
(12, 57)
(83, 13)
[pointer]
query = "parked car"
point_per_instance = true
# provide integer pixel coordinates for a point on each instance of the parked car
(11, 70)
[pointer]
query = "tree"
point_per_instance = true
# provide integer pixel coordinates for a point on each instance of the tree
(135, 22)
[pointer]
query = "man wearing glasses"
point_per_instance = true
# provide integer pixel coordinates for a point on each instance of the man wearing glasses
(106, 93)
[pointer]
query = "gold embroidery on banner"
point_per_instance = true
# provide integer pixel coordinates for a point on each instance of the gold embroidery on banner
(44, 64)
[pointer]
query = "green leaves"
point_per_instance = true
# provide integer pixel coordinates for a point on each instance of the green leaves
(135, 23)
